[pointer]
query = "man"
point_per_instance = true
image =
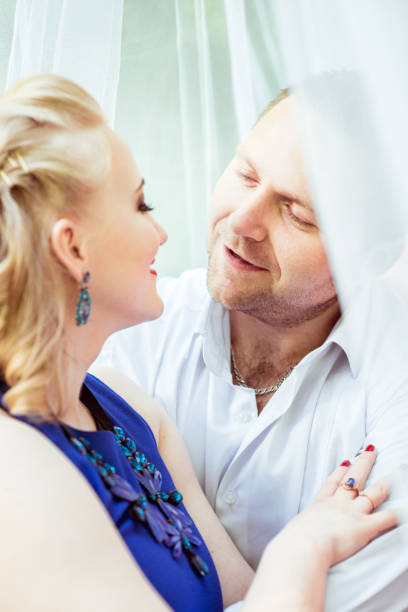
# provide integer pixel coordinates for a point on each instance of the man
(260, 371)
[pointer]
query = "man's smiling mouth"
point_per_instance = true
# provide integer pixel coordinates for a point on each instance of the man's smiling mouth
(240, 262)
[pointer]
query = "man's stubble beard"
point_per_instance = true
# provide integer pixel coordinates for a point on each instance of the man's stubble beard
(290, 310)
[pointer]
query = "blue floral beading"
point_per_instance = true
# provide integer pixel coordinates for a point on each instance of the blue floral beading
(158, 510)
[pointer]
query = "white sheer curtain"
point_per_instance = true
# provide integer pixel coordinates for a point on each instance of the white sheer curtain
(185, 80)
(194, 76)
(7, 10)
(79, 39)
(347, 63)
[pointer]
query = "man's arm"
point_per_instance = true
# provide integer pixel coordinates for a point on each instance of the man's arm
(373, 580)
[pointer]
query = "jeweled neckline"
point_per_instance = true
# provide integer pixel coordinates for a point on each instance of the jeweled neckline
(158, 510)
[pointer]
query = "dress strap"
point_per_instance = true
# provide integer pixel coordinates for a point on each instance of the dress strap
(102, 420)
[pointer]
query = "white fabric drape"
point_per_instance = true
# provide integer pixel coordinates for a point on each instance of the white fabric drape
(194, 76)
(77, 39)
(7, 10)
(347, 63)
(185, 79)
(190, 77)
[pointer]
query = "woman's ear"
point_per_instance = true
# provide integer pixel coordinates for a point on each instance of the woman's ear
(67, 246)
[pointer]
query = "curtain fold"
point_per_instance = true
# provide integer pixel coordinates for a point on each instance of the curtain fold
(346, 62)
(77, 39)
(189, 92)
(182, 80)
(7, 12)
(186, 79)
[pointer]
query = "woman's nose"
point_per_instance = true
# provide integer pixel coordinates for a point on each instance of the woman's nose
(162, 233)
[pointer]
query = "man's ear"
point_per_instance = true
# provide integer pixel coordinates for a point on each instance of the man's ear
(67, 247)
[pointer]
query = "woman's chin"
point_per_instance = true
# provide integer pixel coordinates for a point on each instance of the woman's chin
(156, 312)
(129, 319)
(153, 312)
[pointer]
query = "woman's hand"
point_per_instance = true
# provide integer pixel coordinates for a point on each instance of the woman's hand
(293, 570)
(341, 521)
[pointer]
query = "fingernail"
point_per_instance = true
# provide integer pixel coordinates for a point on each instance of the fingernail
(370, 448)
(346, 463)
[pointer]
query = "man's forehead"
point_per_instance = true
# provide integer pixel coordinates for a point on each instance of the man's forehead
(278, 128)
(273, 150)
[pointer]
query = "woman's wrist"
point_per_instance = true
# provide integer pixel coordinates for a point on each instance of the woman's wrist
(299, 541)
(292, 574)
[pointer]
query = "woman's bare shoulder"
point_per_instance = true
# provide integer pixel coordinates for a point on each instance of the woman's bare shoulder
(19, 441)
(37, 474)
(134, 395)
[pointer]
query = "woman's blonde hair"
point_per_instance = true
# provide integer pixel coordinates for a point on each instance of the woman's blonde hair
(53, 153)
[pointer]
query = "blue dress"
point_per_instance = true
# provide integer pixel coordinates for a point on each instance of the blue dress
(174, 579)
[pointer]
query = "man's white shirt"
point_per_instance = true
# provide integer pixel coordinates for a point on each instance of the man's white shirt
(259, 471)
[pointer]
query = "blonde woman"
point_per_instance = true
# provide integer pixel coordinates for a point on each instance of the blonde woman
(90, 517)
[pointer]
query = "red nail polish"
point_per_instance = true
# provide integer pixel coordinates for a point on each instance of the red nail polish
(370, 448)
(346, 463)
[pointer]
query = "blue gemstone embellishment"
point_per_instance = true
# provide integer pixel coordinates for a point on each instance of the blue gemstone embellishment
(130, 444)
(141, 458)
(175, 497)
(168, 525)
(119, 432)
(79, 446)
(199, 565)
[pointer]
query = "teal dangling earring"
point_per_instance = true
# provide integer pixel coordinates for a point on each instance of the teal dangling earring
(84, 302)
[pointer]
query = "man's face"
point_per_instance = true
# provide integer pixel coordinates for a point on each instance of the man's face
(266, 256)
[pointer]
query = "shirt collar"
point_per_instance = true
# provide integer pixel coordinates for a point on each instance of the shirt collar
(348, 333)
(213, 325)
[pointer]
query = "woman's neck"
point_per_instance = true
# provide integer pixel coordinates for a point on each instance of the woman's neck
(82, 348)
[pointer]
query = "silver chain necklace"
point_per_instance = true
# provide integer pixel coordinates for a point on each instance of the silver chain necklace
(240, 380)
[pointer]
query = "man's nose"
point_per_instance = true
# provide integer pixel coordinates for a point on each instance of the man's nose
(251, 220)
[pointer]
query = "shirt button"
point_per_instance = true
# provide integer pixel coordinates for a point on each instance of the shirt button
(230, 497)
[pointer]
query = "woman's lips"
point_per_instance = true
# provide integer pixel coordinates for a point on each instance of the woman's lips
(151, 270)
(240, 264)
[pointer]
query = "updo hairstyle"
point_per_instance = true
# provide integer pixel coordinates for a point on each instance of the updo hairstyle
(53, 154)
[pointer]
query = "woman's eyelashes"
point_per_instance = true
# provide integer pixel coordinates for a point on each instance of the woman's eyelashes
(144, 208)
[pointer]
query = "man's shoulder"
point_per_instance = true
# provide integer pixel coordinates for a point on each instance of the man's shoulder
(388, 319)
(373, 333)
(385, 341)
